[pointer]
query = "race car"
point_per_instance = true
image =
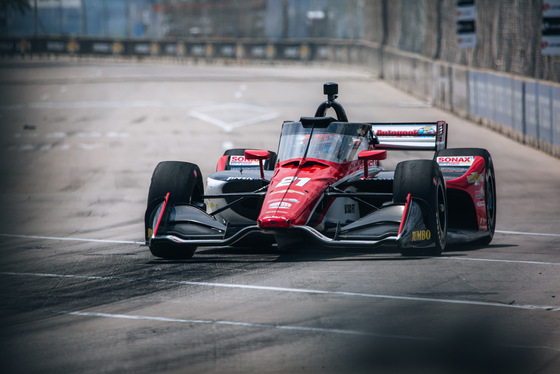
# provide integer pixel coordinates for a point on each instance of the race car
(326, 184)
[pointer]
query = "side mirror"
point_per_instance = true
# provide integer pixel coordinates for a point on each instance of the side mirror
(257, 154)
(371, 155)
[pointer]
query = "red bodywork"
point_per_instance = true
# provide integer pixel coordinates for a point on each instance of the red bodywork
(472, 183)
(295, 190)
(327, 185)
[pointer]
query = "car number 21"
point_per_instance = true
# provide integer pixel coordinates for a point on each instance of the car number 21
(300, 182)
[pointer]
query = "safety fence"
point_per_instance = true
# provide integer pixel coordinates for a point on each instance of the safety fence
(524, 109)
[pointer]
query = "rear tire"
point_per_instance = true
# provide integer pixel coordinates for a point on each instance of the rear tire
(183, 181)
(489, 185)
(423, 179)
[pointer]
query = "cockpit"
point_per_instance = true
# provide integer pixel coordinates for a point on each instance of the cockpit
(338, 142)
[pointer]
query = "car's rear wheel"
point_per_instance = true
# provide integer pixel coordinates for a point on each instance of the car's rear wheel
(423, 179)
(183, 182)
(490, 197)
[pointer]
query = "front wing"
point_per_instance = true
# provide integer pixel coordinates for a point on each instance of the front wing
(402, 224)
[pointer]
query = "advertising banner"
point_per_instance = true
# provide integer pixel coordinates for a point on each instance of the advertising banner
(466, 23)
(550, 37)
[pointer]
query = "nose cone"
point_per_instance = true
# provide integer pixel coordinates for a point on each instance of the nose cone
(293, 194)
(274, 222)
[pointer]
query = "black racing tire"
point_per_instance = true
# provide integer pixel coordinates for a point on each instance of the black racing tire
(423, 179)
(490, 196)
(183, 181)
(269, 164)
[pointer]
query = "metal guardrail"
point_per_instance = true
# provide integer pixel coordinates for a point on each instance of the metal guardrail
(524, 109)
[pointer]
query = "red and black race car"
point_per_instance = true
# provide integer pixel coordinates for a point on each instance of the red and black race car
(326, 184)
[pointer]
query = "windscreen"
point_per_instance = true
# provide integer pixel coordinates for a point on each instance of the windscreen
(338, 142)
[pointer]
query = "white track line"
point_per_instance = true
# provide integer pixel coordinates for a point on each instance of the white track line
(143, 243)
(295, 290)
(233, 323)
(72, 239)
(134, 242)
(527, 233)
(497, 260)
(271, 326)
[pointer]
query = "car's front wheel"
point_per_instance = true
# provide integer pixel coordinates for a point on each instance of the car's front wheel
(423, 179)
(183, 182)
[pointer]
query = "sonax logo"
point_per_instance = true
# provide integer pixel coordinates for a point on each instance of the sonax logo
(455, 160)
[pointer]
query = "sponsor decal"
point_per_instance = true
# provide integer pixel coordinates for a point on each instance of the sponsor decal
(349, 208)
(280, 205)
(241, 160)
(73, 46)
(288, 191)
(481, 204)
(421, 235)
(427, 130)
(479, 194)
(117, 48)
(475, 178)
(242, 179)
(455, 160)
(424, 131)
(300, 182)
(458, 169)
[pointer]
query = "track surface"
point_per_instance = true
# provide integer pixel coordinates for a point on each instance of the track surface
(78, 143)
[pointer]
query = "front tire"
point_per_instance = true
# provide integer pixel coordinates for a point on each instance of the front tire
(183, 182)
(423, 179)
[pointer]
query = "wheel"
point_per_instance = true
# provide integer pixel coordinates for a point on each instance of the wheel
(423, 179)
(268, 164)
(489, 185)
(183, 181)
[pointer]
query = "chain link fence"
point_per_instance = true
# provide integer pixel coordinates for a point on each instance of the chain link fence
(508, 34)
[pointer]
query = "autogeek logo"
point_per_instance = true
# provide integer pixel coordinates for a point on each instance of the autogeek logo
(425, 131)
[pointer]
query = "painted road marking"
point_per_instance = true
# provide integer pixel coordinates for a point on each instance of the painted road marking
(230, 116)
(232, 323)
(294, 290)
(527, 233)
(498, 260)
(272, 326)
(72, 239)
(109, 241)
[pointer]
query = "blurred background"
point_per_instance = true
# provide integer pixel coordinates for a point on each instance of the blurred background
(515, 36)
(495, 62)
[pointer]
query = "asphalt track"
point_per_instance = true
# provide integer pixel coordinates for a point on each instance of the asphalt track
(80, 293)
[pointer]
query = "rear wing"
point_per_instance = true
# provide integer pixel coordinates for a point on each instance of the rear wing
(421, 136)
